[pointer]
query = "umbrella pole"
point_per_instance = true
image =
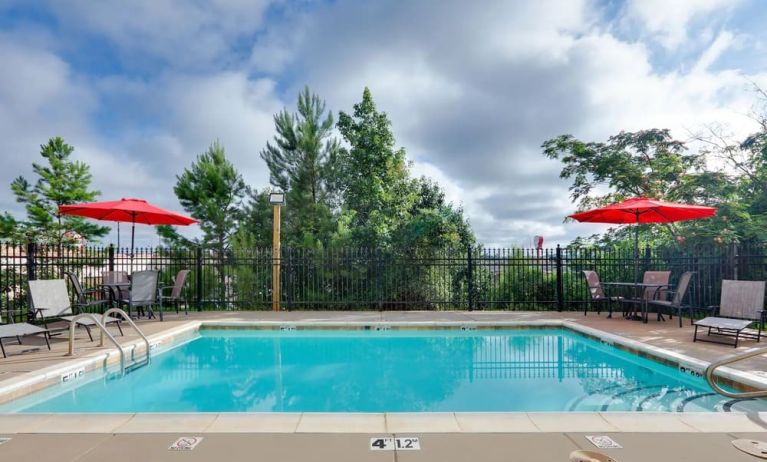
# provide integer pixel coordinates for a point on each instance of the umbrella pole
(118, 236)
(636, 248)
(132, 237)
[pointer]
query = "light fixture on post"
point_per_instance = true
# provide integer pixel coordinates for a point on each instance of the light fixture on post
(277, 200)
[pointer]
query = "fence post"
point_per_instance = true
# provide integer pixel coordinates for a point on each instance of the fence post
(647, 258)
(379, 273)
(289, 277)
(470, 275)
(734, 259)
(31, 261)
(198, 278)
(111, 257)
(560, 284)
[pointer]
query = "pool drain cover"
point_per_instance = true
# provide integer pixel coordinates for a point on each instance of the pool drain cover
(753, 447)
(590, 456)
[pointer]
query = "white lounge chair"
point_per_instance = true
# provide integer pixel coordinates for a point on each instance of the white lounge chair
(50, 301)
(19, 330)
(741, 304)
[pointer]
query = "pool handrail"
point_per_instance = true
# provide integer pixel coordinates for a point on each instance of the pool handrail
(104, 332)
(127, 318)
(92, 317)
(729, 360)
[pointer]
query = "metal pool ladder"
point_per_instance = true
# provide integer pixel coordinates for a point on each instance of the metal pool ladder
(104, 332)
(729, 360)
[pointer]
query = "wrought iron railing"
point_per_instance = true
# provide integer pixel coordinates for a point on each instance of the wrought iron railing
(361, 278)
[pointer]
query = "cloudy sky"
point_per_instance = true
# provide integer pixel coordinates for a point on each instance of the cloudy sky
(472, 88)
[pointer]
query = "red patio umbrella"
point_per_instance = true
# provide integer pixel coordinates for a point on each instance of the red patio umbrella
(641, 210)
(127, 210)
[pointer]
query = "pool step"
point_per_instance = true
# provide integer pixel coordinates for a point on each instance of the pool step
(593, 402)
(665, 399)
(632, 399)
(655, 398)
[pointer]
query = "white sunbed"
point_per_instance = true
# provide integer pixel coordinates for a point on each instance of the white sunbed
(742, 304)
(19, 330)
(50, 300)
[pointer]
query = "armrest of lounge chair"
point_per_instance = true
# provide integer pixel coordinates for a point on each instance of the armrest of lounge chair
(92, 303)
(33, 312)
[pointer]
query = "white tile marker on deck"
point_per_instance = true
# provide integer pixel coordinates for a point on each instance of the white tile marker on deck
(185, 443)
(409, 443)
(603, 442)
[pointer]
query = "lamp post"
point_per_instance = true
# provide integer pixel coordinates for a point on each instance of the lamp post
(277, 199)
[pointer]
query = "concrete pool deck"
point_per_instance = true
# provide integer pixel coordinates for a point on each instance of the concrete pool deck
(233, 447)
(444, 437)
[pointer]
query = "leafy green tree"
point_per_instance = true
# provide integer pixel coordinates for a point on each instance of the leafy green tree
(648, 163)
(433, 222)
(61, 181)
(740, 191)
(301, 162)
(376, 191)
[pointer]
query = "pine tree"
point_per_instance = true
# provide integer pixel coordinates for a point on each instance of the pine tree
(301, 161)
(61, 181)
(211, 190)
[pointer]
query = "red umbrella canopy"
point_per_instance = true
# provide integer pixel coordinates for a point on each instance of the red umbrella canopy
(127, 210)
(643, 210)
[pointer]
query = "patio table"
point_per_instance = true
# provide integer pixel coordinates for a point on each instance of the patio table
(640, 287)
(115, 289)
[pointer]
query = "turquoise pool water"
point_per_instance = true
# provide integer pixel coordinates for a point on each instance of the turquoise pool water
(388, 371)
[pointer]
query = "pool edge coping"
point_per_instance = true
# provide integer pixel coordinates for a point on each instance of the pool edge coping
(383, 423)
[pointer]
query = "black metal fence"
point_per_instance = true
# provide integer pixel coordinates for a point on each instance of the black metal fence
(357, 279)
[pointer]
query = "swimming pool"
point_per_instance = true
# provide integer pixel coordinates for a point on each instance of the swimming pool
(257, 370)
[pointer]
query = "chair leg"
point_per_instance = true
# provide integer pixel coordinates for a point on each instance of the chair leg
(18, 339)
(46, 336)
(695, 335)
(88, 330)
(2, 348)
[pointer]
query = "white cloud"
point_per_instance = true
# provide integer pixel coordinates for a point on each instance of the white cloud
(39, 98)
(178, 33)
(718, 47)
(668, 21)
(472, 91)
